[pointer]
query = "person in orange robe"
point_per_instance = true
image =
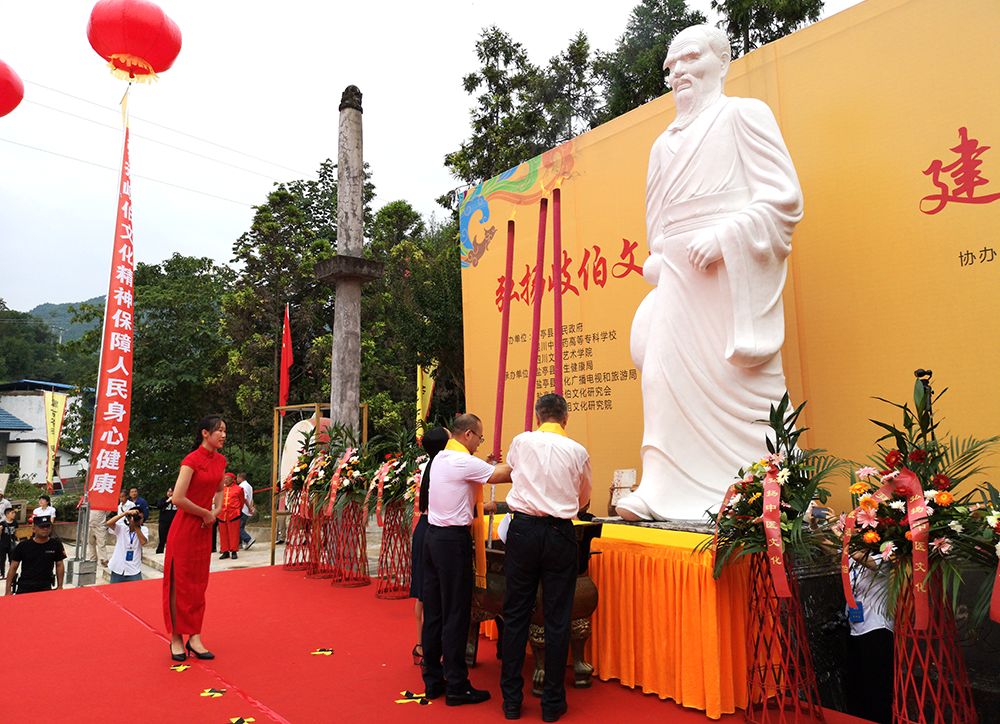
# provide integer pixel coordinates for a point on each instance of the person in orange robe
(229, 518)
(198, 497)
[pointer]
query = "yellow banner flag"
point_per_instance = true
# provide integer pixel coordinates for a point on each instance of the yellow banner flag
(425, 391)
(55, 411)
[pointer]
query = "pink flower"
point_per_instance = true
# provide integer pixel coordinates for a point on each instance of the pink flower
(776, 458)
(867, 518)
(866, 472)
(888, 550)
(942, 545)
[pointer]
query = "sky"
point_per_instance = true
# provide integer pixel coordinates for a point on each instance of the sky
(251, 100)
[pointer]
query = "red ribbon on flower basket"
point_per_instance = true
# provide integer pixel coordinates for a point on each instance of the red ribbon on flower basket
(335, 480)
(771, 520)
(380, 480)
(718, 518)
(906, 483)
(416, 497)
(772, 534)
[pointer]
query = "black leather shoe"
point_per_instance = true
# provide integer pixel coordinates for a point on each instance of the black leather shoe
(434, 692)
(224, 556)
(178, 657)
(511, 711)
(205, 655)
(469, 696)
(554, 714)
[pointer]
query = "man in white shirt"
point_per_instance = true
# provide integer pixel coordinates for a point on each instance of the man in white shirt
(246, 540)
(552, 481)
(126, 561)
(45, 508)
(448, 575)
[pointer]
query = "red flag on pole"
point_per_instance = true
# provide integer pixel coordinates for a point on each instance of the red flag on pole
(286, 362)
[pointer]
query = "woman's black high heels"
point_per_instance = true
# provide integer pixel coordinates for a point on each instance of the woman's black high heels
(178, 657)
(199, 654)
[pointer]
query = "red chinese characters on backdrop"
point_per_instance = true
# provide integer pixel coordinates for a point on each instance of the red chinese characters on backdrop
(965, 177)
(114, 382)
(591, 271)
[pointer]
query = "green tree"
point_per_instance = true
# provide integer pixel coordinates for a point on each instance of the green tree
(295, 229)
(28, 348)
(569, 92)
(507, 120)
(410, 316)
(753, 23)
(179, 354)
(632, 74)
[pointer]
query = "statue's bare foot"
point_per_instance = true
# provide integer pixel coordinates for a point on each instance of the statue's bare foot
(633, 508)
(627, 514)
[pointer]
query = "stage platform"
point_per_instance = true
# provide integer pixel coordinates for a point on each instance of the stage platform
(267, 627)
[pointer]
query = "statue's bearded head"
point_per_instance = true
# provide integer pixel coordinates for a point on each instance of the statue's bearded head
(696, 66)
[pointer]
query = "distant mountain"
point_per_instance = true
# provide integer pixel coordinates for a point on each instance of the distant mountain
(60, 319)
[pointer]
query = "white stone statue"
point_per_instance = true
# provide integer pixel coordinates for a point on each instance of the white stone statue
(722, 200)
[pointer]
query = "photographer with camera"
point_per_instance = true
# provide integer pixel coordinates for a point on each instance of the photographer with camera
(130, 537)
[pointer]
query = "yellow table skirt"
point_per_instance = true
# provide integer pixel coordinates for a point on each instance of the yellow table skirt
(664, 624)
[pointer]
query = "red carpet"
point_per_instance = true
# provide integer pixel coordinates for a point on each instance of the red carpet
(263, 624)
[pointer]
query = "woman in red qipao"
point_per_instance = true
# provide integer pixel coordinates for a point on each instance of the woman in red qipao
(197, 495)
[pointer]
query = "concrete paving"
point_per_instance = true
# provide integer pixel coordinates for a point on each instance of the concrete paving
(258, 555)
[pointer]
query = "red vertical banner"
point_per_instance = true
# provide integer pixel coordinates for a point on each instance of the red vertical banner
(114, 382)
(537, 292)
(557, 351)
(287, 359)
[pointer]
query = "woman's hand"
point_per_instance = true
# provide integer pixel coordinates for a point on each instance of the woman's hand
(208, 517)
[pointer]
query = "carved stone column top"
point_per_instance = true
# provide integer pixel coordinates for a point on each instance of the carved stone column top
(351, 98)
(345, 266)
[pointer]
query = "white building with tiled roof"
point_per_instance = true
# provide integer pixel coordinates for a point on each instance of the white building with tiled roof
(22, 429)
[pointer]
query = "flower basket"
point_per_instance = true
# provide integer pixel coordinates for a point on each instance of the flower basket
(394, 558)
(321, 555)
(299, 535)
(781, 685)
(931, 683)
(350, 561)
(913, 526)
(767, 514)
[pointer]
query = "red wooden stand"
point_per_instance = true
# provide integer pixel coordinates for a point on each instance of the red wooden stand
(350, 560)
(298, 536)
(394, 558)
(931, 682)
(781, 685)
(321, 549)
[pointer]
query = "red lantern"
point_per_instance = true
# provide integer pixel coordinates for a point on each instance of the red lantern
(135, 36)
(11, 89)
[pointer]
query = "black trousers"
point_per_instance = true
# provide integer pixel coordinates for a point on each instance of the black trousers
(5, 550)
(539, 550)
(166, 518)
(869, 678)
(447, 597)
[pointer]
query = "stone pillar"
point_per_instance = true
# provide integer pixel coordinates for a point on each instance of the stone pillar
(348, 270)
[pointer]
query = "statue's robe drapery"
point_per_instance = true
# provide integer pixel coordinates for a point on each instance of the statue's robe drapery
(708, 343)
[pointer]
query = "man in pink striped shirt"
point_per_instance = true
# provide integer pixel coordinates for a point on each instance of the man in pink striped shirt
(448, 577)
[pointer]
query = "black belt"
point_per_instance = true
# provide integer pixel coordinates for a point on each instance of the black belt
(538, 518)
